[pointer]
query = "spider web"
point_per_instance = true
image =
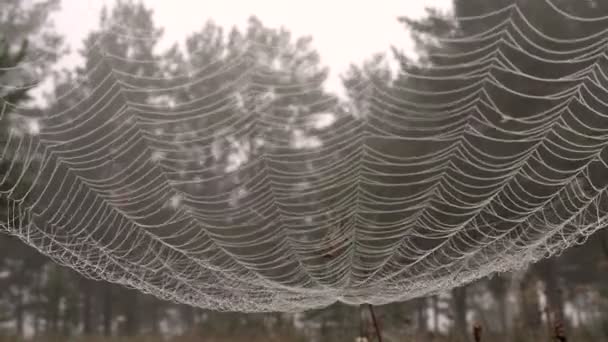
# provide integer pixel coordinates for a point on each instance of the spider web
(239, 198)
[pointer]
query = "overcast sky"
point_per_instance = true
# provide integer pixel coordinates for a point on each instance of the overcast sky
(343, 31)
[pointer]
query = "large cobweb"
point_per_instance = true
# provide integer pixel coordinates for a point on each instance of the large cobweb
(232, 185)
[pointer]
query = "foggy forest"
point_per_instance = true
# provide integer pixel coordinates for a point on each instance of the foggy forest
(63, 284)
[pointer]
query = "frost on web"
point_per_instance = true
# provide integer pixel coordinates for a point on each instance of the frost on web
(224, 182)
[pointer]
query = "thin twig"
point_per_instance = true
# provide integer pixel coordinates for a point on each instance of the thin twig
(549, 320)
(560, 334)
(371, 311)
(363, 330)
(477, 332)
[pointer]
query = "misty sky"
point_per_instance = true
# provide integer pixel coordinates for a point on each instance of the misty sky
(343, 31)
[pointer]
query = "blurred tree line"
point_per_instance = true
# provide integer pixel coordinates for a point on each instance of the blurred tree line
(44, 301)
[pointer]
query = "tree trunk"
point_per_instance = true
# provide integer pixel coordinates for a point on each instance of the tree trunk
(19, 321)
(37, 305)
(436, 313)
(362, 322)
(131, 313)
(529, 304)
(19, 305)
(421, 316)
(548, 270)
(324, 332)
(53, 313)
(187, 317)
(279, 321)
(155, 318)
(459, 305)
(107, 309)
(65, 323)
(87, 309)
(498, 286)
(502, 314)
(36, 323)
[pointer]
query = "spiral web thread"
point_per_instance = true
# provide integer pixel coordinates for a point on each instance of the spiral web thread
(239, 199)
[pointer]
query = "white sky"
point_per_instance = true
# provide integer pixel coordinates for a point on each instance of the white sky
(343, 31)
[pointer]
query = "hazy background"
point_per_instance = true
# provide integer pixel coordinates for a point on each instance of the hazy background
(344, 32)
(41, 301)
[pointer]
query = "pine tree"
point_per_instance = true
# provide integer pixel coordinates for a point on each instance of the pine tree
(8, 61)
(393, 100)
(29, 46)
